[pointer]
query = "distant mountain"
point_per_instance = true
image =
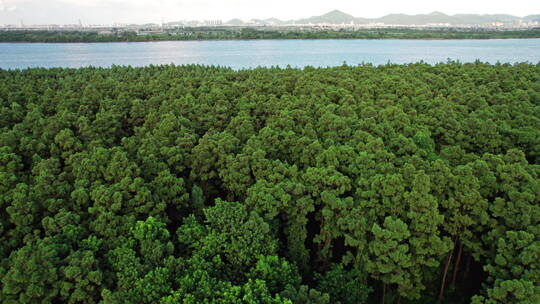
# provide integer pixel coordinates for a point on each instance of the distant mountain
(333, 17)
(234, 22)
(434, 18)
(274, 21)
(483, 19)
(438, 18)
(256, 21)
(532, 18)
(338, 17)
(441, 18)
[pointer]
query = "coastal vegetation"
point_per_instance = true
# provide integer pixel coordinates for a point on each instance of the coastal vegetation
(234, 33)
(354, 184)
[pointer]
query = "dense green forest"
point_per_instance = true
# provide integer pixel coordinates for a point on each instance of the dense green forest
(228, 33)
(370, 184)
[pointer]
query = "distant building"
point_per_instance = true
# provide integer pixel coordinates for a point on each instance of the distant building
(212, 22)
(149, 32)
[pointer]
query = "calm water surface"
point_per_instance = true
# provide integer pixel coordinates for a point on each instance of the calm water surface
(253, 53)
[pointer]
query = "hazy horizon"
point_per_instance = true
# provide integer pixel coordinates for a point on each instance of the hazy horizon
(154, 11)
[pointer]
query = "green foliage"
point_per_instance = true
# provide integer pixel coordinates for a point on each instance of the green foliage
(511, 291)
(343, 285)
(196, 184)
(391, 255)
(232, 33)
(33, 275)
(277, 273)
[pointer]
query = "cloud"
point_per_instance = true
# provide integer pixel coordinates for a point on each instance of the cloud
(110, 3)
(7, 8)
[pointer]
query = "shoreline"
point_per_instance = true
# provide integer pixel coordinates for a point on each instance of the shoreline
(278, 67)
(254, 34)
(268, 39)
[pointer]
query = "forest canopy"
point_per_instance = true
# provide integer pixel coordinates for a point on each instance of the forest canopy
(369, 184)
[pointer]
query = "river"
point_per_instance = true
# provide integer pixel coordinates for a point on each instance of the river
(240, 54)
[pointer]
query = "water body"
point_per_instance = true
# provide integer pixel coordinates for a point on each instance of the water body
(252, 53)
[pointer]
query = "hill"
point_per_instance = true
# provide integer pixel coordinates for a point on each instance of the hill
(234, 22)
(333, 17)
(532, 18)
(339, 17)
(433, 18)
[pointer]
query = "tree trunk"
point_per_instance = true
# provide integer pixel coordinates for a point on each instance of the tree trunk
(445, 273)
(456, 266)
(383, 293)
(323, 255)
(468, 266)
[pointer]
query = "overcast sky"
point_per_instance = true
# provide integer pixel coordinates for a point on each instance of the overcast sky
(142, 11)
